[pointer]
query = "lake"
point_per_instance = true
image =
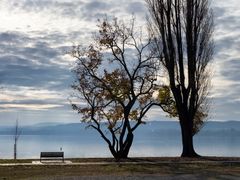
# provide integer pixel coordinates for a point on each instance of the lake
(148, 142)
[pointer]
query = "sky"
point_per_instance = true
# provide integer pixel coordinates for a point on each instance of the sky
(35, 71)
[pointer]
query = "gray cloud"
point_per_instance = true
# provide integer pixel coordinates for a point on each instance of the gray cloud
(96, 6)
(34, 59)
(226, 61)
(12, 38)
(219, 12)
(82, 10)
(12, 74)
(136, 7)
(32, 66)
(227, 107)
(58, 7)
(227, 44)
(232, 71)
(94, 10)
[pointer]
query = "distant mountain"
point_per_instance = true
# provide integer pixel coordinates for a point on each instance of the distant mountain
(151, 128)
(222, 128)
(47, 124)
(216, 125)
(46, 129)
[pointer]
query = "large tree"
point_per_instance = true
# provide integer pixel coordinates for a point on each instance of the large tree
(183, 30)
(116, 78)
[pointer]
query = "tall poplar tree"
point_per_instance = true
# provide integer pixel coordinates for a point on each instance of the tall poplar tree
(183, 31)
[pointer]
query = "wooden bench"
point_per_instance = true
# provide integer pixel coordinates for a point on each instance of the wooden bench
(52, 156)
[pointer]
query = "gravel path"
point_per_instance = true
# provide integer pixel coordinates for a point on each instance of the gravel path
(146, 177)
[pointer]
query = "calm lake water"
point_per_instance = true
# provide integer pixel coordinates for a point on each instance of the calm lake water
(30, 146)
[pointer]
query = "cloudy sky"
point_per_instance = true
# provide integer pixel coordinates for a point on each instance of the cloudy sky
(35, 75)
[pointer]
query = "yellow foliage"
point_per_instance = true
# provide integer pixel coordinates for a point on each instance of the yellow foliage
(164, 94)
(133, 115)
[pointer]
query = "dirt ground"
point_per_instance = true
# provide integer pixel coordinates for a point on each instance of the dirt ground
(149, 177)
(131, 169)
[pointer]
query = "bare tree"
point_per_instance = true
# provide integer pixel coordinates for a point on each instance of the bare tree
(183, 30)
(116, 78)
(17, 134)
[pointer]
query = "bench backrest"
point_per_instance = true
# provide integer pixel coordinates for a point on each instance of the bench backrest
(52, 154)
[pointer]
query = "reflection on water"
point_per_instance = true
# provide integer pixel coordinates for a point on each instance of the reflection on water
(30, 146)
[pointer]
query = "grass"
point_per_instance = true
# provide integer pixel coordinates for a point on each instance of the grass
(6, 161)
(206, 170)
(140, 159)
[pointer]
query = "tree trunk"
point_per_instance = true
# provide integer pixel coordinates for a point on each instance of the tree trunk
(127, 145)
(124, 151)
(187, 140)
(15, 151)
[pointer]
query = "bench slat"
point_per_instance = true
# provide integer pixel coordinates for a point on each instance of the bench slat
(51, 155)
